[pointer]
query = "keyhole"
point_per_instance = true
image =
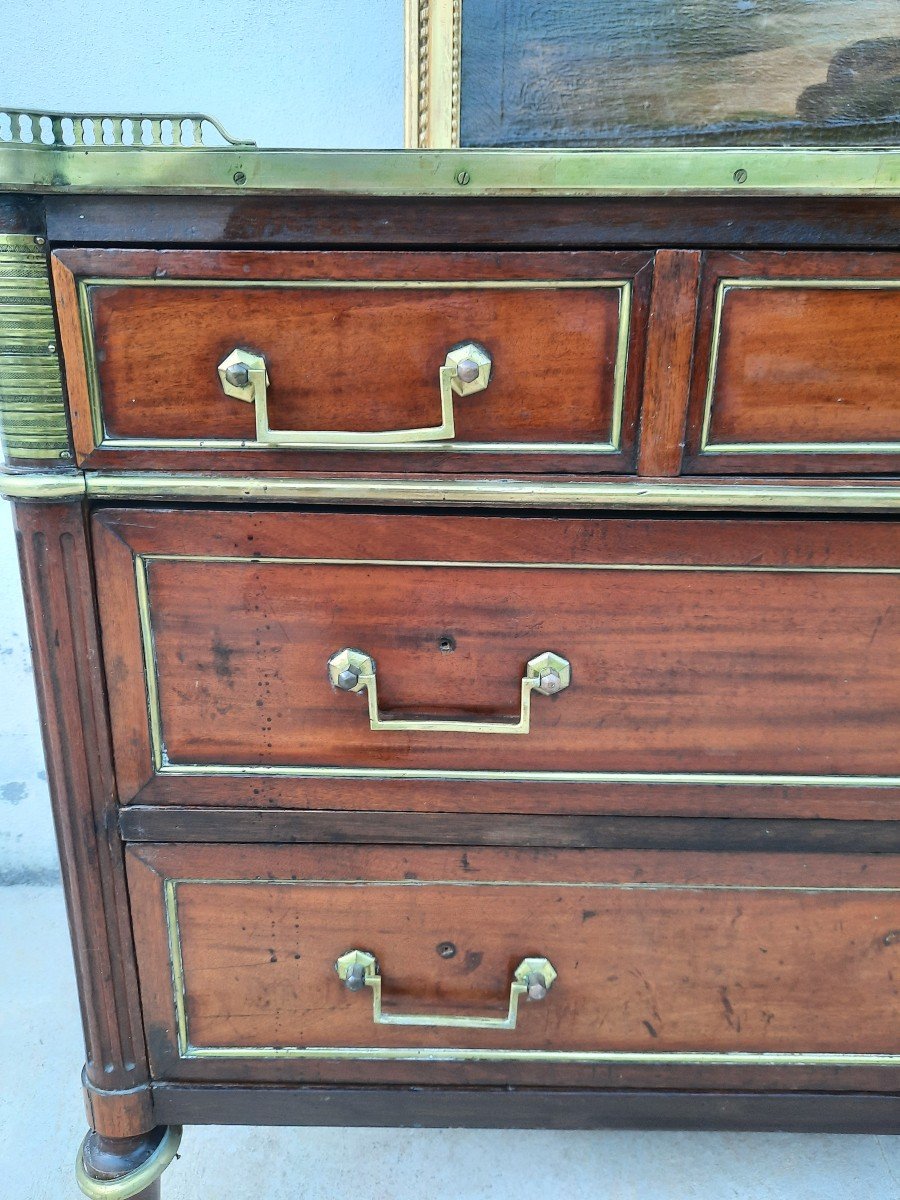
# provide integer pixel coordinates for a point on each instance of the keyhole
(446, 644)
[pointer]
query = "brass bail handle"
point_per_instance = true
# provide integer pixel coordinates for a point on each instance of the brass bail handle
(243, 375)
(533, 978)
(354, 671)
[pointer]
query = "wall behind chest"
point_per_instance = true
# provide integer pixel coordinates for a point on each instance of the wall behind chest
(320, 73)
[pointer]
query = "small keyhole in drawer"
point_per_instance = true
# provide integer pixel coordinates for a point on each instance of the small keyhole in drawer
(446, 949)
(446, 644)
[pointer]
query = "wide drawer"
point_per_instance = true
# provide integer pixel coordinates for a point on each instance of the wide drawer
(351, 361)
(706, 666)
(691, 965)
(796, 364)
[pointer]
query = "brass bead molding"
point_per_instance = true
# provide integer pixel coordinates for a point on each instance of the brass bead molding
(32, 408)
(677, 495)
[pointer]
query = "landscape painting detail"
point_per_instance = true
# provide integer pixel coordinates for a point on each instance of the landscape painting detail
(680, 72)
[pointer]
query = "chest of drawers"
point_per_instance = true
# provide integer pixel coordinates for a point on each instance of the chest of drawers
(465, 600)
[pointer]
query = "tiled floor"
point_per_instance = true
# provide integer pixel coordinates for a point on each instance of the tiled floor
(41, 1124)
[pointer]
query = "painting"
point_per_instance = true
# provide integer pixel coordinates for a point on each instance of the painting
(653, 73)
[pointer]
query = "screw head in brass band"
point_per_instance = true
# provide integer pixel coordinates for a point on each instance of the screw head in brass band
(471, 365)
(552, 672)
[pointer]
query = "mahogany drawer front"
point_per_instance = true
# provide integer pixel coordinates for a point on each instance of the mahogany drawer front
(796, 364)
(353, 344)
(717, 667)
(650, 960)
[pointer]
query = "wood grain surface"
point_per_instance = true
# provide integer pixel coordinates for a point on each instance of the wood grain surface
(806, 355)
(359, 358)
(713, 647)
(657, 953)
(62, 622)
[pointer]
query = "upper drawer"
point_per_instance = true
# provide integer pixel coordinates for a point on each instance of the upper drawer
(796, 365)
(349, 361)
(744, 667)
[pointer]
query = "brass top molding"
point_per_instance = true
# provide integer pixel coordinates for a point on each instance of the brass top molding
(116, 167)
(634, 494)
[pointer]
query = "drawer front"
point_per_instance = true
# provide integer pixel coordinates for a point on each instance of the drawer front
(796, 364)
(503, 664)
(653, 960)
(354, 359)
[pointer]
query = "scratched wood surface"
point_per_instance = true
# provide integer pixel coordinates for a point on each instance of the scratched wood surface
(655, 952)
(713, 72)
(703, 646)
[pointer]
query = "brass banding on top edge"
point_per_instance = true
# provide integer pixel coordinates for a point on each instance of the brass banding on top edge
(669, 172)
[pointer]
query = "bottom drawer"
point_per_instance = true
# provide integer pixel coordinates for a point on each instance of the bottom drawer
(741, 969)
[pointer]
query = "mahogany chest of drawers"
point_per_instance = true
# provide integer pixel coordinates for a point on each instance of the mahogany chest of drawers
(466, 616)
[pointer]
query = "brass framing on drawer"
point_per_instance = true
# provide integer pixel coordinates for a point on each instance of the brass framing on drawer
(722, 288)
(612, 446)
(162, 766)
(32, 408)
(186, 1050)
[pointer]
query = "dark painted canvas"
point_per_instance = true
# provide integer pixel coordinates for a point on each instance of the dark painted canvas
(682, 72)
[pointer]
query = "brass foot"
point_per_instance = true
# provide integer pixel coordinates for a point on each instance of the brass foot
(123, 1168)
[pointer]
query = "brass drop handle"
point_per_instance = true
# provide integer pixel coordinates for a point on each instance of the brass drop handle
(354, 671)
(533, 978)
(244, 376)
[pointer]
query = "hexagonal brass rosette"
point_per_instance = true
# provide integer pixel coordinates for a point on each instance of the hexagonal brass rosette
(234, 374)
(472, 365)
(552, 670)
(347, 670)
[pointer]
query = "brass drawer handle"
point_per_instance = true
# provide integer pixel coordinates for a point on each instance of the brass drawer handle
(354, 671)
(466, 370)
(533, 977)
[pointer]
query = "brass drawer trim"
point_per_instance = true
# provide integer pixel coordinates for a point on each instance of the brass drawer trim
(161, 765)
(708, 447)
(687, 495)
(613, 445)
(187, 1050)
